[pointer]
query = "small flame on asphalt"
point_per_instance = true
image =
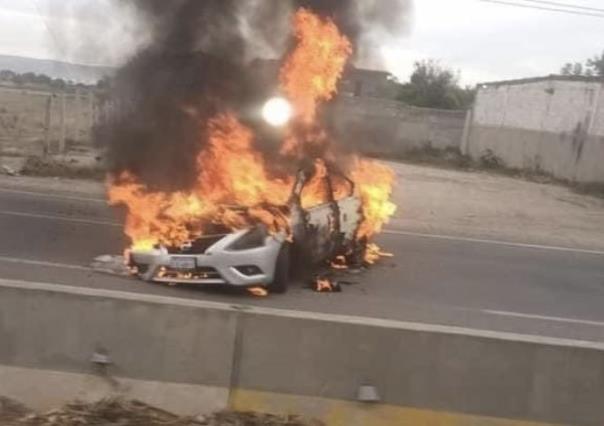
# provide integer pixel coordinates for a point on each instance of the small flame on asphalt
(339, 263)
(374, 253)
(326, 285)
(258, 291)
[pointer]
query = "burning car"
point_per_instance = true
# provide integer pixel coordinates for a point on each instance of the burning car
(255, 256)
(209, 198)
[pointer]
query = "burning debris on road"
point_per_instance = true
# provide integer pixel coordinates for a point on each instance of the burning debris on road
(326, 284)
(214, 196)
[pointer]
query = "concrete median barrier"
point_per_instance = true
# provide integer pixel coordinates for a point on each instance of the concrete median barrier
(192, 356)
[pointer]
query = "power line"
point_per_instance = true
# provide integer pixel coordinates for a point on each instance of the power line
(565, 5)
(550, 9)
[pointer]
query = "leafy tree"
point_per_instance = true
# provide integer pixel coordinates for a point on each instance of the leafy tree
(104, 83)
(576, 68)
(58, 83)
(7, 75)
(596, 65)
(567, 69)
(591, 67)
(43, 79)
(28, 77)
(434, 86)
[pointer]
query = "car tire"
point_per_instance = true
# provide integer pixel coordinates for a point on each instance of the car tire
(282, 269)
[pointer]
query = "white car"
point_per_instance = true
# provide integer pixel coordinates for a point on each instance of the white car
(254, 257)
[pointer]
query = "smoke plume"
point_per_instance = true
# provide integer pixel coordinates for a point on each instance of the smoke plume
(199, 63)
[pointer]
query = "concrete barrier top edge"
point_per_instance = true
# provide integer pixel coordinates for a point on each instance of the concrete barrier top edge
(314, 316)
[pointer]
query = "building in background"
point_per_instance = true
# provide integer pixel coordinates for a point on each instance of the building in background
(356, 82)
(364, 83)
(552, 124)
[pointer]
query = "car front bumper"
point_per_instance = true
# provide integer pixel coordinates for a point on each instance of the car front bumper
(218, 265)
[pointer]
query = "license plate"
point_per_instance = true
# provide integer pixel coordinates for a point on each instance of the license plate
(182, 263)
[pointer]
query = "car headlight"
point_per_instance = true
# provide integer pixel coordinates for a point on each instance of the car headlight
(254, 238)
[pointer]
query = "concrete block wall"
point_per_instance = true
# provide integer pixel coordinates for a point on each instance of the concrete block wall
(23, 118)
(385, 127)
(192, 357)
(554, 125)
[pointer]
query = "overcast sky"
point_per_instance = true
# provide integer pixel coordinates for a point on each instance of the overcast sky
(483, 41)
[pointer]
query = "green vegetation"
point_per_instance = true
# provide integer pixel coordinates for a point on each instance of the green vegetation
(435, 86)
(593, 67)
(31, 78)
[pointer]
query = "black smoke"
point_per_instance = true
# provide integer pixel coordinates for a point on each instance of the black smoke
(356, 18)
(196, 65)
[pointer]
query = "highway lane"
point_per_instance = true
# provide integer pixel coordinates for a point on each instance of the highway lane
(49, 237)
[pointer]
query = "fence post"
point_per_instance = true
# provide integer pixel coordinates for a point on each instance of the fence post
(92, 111)
(467, 130)
(47, 121)
(77, 113)
(62, 130)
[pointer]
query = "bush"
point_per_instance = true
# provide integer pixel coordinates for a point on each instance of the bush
(489, 160)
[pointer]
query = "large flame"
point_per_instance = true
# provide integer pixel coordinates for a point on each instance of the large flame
(375, 182)
(231, 175)
(312, 71)
(234, 187)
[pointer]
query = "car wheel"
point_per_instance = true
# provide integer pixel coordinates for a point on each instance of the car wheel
(282, 268)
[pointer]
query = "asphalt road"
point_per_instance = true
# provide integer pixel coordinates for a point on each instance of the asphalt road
(52, 238)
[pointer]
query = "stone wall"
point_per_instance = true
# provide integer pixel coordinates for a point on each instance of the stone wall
(391, 128)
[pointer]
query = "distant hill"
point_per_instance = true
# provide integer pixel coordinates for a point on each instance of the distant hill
(55, 69)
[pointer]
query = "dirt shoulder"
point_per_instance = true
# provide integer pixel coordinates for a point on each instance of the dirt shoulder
(482, 205)
(448, 202)
(70, 187)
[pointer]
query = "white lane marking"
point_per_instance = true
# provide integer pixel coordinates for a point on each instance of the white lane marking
(61, 218)
(50, 195)
(42, 263)
(493, 242)
(543, 318)
(387, 231)
(484, 311)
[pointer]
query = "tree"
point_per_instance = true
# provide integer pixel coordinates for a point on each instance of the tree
(58, 83)
(576, 68)
(591, 67)
(104, 83)
(7, 75)
(28, 77)
(596, 65)
(434, 86)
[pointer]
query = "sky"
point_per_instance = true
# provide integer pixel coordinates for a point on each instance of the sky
(481, 41)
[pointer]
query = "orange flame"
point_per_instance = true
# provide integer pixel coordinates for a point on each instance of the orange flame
(374, 253)
(234, 186)
(375, 183)
(231, 174)
(315, 66)
(324, 285)
(258, 291)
